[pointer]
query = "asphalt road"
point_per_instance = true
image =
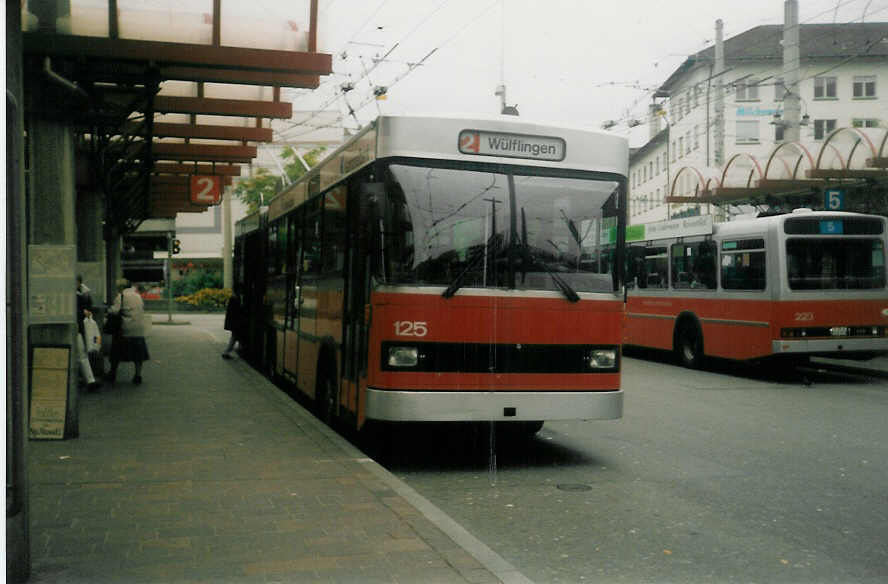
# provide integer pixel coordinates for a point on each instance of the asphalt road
(722, 475)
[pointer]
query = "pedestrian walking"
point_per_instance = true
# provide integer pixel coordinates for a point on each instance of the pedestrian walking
(129, 344)
(235, 321)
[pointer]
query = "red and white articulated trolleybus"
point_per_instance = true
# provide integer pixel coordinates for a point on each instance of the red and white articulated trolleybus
(796, 285)
(449, 269)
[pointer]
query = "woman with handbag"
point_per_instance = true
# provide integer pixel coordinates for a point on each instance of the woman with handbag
(129, 343)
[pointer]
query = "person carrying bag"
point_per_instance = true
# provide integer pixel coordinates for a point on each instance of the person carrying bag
(93, 344)
(113, 323)
(128, 343)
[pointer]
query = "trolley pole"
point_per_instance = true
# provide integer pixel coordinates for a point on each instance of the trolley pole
(169, 276)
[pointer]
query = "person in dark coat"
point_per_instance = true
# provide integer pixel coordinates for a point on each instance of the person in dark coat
(235, 321)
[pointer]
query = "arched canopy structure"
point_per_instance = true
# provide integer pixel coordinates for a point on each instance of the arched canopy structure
(691, 185)
(789, 161)
(854, 160)
(852, 153)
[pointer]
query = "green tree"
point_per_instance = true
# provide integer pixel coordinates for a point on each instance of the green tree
(258, 190)
(294, 168)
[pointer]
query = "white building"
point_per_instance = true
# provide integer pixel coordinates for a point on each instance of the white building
(843, 81)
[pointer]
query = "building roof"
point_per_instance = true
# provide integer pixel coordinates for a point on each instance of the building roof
(816, 42)
(637, 153)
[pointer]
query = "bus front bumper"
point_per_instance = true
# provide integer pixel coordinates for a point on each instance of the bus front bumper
(468, 406)
(833, 347)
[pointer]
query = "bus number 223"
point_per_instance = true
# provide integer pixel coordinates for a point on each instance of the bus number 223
(411, 328)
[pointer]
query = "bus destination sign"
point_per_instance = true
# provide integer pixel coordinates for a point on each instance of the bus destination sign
(511, 145)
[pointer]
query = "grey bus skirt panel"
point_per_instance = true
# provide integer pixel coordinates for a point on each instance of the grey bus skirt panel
(453, 406)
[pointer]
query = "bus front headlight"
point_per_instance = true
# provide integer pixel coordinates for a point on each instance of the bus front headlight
(403, 356)
(602, 359)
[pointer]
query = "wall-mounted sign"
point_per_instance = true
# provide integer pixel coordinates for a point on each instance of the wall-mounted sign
(511, 145)
(51, 284)
(682, 227)
(206, 189)
(49, 391)
(757, 111)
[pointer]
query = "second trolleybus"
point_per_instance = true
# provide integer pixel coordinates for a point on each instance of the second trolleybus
(792, 286)
(445, 269)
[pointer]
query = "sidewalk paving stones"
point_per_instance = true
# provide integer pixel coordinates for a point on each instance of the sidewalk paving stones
(206, 472)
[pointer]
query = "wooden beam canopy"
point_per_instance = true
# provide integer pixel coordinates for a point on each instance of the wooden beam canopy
(227, 170)
(169, 104)
(194, 58)
(211, 132)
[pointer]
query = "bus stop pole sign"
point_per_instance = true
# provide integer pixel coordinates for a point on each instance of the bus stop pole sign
(206, 190)
(834, 200)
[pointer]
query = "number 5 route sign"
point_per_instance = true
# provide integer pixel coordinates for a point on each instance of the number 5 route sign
(834, 200)
(206, 190)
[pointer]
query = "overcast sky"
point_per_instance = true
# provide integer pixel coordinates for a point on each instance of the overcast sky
(580, 62)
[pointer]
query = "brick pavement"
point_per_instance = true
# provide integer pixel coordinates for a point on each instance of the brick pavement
(208, 473)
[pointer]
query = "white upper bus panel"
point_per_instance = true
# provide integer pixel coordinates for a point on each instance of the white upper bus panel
(502, 139)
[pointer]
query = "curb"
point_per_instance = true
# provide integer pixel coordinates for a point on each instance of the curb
(488, 558)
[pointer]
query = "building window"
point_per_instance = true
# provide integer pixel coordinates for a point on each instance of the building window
(688, 142)
(665, 161)
(822, 128)
(651, 169)
(824, 88)
(778, 133)
(681, 146)
(864, 123)
(696, 137)
(864, 86)
(644, 173)
(658, 164)
(747, 91)
(697, 91)
(673, 151)
(747, 132)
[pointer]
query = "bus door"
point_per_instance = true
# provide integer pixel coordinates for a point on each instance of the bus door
(357, 284)
(294, 255)
(306, 297)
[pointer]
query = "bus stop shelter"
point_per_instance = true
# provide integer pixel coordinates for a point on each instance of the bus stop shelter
(117, 113)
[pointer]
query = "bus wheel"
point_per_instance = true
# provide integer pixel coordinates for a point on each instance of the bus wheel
(689, 346)
(325, 399)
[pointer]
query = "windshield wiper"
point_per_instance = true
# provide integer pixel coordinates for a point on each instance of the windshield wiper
(457, 282)
(527, 258)
(488, 250)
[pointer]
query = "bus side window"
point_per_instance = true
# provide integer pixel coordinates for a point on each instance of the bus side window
(334, 230)
(693, 265)
(704, 266)
(656, 267)
(636, 274)
(743, 264)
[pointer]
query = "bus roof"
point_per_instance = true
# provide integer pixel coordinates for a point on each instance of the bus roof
(703, 225)
(500, 139)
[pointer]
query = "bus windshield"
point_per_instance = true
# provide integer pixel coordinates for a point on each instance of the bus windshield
(830, 264)
(474, 228)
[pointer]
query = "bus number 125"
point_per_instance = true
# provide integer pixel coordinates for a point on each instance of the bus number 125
(409, 328)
